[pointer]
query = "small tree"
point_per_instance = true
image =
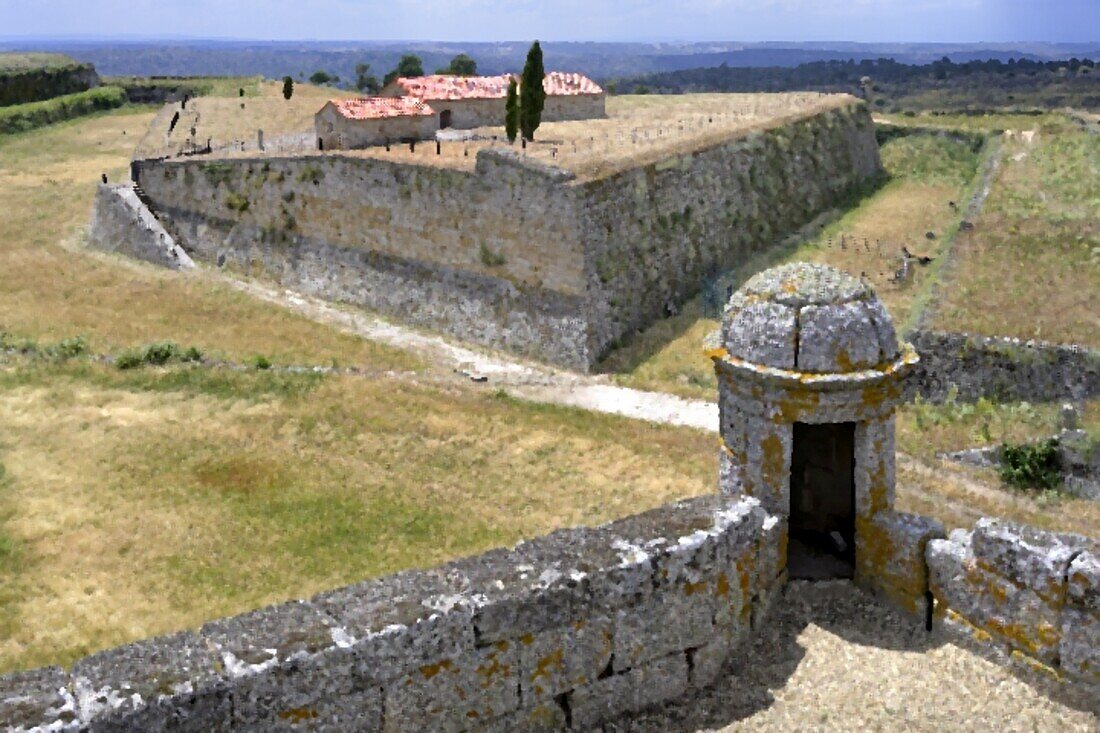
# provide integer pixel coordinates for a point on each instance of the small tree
(409, 65)
(532, 95)
(462, 65)
(364, 80)
(511, 111)
(320, 77)
(288, 87)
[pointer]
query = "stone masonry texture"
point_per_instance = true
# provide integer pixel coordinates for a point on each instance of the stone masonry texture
(558, 633)
(514, 254)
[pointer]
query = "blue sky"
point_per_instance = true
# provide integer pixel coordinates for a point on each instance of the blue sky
(562, 20)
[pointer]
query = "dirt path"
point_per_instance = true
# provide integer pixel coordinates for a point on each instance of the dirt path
(521, 379)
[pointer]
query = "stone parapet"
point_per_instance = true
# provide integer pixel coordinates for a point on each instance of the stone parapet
(562, 632)
(1029, 590)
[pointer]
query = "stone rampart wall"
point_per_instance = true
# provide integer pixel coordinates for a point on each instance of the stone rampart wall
(560, 633)
(1030, 592)
(122, 223)
(655, 232)
(1002, 368)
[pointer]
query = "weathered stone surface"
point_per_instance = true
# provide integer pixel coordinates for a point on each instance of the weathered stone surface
(1080, 647)
(875, 468)
(762, 333)
(801, 284)
(556, 661)
(1083, 582)
(890, 556)
(122, 223)
(1031, 557)
(639, 688)
(884, 327)
(537, 719)
(290, 666)
(455, 693)
(398, 623)
(38, 699)
(162, 684)
(837, 338)
(661, 625)
(1015, 615)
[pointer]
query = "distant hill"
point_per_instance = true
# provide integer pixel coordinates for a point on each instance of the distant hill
(33, 77)
(1022, 84)
(600, 60)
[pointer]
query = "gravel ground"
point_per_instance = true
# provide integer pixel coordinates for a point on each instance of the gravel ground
(834, 659)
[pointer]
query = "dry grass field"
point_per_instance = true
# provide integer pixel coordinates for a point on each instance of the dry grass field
(51, 288)
(1031, 266)
(195, 492)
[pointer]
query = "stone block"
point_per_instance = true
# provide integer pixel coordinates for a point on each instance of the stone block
(399, 623)
(890, 556)
(1079, 651)
(541, 718)
(556, 661)
(291, 668)
(875, 466)
(1031, 557)
(761, 332)
(706, 662)
(1014, 615)
(730, 481)
(1083, 582)
(455, 694)
(661, 625)
(38, 699)
(837, 338)
(168, 683)
(639, 688)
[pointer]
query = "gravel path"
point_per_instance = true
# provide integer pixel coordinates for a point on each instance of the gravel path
(834, 659)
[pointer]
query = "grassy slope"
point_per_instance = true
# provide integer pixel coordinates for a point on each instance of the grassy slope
(53, 288)
(196, 493)
(926, 172)
(1031, 267)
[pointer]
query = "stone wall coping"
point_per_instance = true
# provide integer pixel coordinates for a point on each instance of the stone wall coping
(733, 367)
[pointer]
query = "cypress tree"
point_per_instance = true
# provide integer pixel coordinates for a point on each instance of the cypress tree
(288, 87)
(511, 112)
(532, 96)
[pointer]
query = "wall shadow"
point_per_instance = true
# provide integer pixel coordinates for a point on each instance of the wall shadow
(770, 657)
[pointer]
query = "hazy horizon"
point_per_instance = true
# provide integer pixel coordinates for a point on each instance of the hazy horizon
(494, 21)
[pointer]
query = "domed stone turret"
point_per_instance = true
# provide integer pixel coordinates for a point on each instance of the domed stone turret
(808, 318)
(809, 373)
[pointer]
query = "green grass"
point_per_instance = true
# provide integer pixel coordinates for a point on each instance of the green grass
(1031, 266)
(24, 117)
(28, 61)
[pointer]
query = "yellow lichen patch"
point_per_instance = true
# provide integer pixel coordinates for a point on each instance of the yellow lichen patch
(494, 668)
(1035, 665)
(796, 404)
(1030, 639)
(552, 662)
(844, 361)
(722, 587)
(431, 670)
(579, 625)
(691, 589)
(527, 639)
(716, 354)
(774, 470)
(976, 633)
(297, 715)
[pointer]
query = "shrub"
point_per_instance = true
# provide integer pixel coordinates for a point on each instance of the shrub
(261, 362)
(236, 202)
(129, 360)
(1031, 466)
(489, 258)
(23, 117)
(160, 353)
(191, 355)
(69, 348)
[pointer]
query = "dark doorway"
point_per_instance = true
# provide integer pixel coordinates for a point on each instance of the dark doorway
(444, 119)
(822, 528)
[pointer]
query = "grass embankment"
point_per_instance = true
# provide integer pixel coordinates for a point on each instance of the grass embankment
(1031, 266)
(50, 290)
(144, 501)
(195, 86)
(24, 117)
(927, 173)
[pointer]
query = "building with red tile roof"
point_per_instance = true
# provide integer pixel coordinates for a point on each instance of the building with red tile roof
(462, 102)
(360, 123)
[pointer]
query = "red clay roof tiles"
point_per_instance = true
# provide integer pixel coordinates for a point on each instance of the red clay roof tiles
(377, 108)
(445, 87)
